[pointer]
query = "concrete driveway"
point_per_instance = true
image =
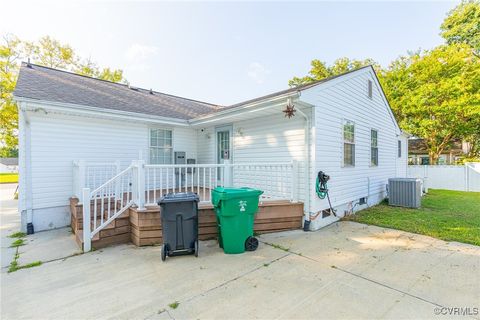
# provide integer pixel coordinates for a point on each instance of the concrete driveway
(346, 270)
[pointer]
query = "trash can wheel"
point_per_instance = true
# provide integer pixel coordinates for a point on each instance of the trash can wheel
(251, 244)
(164, 251)
(196, 248)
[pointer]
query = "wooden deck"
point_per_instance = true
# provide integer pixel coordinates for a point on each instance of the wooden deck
(143, 227)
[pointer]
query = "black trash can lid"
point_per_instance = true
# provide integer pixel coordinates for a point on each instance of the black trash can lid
(178, 197)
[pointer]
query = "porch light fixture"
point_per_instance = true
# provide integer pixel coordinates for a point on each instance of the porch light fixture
(240, 132)
(289, 109)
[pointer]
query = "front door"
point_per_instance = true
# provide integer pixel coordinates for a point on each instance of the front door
(224, 146)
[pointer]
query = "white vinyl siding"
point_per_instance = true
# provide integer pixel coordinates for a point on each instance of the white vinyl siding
(345, 98)
(279, 139)
(58, 140)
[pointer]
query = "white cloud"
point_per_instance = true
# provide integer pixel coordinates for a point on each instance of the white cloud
(258, 72)
(138, 54)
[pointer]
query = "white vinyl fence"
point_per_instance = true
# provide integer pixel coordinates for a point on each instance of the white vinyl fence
(450, 177)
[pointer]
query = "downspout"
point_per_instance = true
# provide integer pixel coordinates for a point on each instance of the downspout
(307, 163)
(27, 188)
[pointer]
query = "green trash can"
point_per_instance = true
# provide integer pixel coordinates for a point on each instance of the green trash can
(235, 209)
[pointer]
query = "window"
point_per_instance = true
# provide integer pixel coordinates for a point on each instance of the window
(348, 144)
(161, 146)
(370, 89)
(399, 148)
(373, 147)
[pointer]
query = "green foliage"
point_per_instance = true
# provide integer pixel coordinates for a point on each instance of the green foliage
(435, 94)
(462, 25)
(320, 70)
(447, 215)
(174, 305)
(31, 265)
(47, 52)
(18, 235)
(18, 243)
(6, 152)
(13, 266)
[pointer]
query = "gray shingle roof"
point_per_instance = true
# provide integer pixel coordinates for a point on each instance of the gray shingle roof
(42, 83)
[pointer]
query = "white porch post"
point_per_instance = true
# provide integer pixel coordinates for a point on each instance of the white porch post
(138, 183)
(87, 240)
(118, 196)
(82, 169)
(227, 174)
(294, 182)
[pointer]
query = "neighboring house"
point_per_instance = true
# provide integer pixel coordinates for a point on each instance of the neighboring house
(8, 165)
(418, 153)
(71, 125)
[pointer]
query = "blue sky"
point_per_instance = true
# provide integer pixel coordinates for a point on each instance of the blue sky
(224, 52)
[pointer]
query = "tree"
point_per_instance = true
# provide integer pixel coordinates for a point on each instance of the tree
(436, 94)
(10, 54)
(90, 69)
(47, 52)
(320, 70)
(462, 25)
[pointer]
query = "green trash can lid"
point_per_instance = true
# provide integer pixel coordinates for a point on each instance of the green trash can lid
(237, 191)
(221, 193)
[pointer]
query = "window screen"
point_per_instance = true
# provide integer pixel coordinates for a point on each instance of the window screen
(161, 147)
(348, 143)
(374, 147)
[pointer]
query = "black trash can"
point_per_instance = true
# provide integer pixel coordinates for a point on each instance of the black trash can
(179, 215)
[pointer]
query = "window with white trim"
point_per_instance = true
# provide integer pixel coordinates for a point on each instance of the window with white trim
(373, 147)
(348, 143)
(161, 146)
(399, 148)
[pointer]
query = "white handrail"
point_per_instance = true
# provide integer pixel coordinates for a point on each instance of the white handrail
(107, 202)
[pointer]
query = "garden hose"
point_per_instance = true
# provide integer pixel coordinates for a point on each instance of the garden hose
(321, 188)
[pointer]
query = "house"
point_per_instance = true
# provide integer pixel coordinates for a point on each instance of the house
(8, 165)
(418, 153)
(133, 144)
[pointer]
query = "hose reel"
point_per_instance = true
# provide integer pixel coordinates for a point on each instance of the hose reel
(321, 188)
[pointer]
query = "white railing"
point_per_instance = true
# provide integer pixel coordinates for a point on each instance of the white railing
(142, 184)
(277, 180)
(92, 175)
(108, 201)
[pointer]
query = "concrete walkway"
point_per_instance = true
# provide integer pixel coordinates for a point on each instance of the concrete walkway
(38, 246)
(9, 222)
(346, 270)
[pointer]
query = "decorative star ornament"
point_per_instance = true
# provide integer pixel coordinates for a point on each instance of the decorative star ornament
(289, 110)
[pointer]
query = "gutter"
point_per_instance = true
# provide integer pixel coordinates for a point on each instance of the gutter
(99, 112)
(249, 107)
(25, 165)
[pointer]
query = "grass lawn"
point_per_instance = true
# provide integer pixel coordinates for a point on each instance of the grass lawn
(8, 177)
(447, 215)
